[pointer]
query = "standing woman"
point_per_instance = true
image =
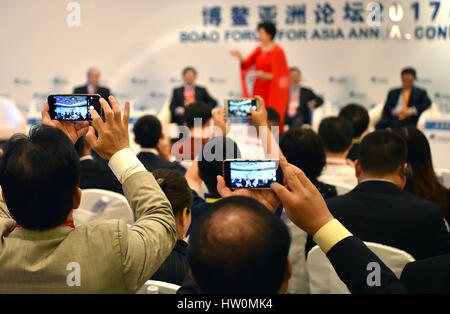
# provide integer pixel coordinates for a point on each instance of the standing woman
(270, 70)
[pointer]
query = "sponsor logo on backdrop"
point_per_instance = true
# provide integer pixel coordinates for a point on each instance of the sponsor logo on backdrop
(58, 80)
(357, 95)
(217, 80)
(338, 80)
(22, 81)
(379, 80)
(175, 80)
(424, 81)
(366, 20)
(154, 94)
(234, 94)
(138, 81)
(439, 95)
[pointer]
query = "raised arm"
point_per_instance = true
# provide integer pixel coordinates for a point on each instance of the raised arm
(145, 245)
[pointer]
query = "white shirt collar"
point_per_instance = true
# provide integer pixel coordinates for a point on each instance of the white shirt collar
(375, 179)
(149, 150)
(87, 157)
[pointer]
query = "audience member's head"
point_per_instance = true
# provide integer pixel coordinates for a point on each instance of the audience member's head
(304, 149)
(336, 134)
(177, 190)
(240, 247)
(296, 76)
(273, 118)
(359, 117)
(408, 76)
(147, 131)
(39, 176)
(198, 110)
(266, 31)
(422, 181)
(211, 158)
(382, 154)
(189, 75)
(93, 77)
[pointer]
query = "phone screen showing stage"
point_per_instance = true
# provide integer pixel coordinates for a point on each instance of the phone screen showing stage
(240, 107)
(72, 107)
(252, 174)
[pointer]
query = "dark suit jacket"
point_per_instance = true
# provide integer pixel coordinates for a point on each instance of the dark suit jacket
(152, 162)
(95, 175)
(353, 154)
(175, 268)
(102, 91)
(201, 94)
(378, 211)
(303, 112)
(418, 99)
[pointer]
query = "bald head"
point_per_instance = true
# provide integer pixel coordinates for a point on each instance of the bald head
(239, 246)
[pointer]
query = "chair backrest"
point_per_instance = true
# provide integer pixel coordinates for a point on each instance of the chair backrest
(117, 208)
(11, 119)
(343, 188)
(163, 287)
(320, 113)
(431, 112)
(323, 279)
(443, 176)
(375, 114)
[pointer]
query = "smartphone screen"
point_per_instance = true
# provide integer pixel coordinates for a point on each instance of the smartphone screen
(240, 107)
(73, 107)
(250, 174)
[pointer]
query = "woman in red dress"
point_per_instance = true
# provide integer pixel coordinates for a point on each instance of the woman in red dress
(268, 65)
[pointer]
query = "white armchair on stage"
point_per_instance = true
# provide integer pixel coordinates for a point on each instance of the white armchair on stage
(117, 208)
(375, 115)
(11, 120)
(432, 112)
(323, 279)
(320, 113)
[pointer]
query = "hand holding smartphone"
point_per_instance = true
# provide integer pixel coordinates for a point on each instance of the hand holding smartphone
(251, 174)
(240, 107)
(73, 107)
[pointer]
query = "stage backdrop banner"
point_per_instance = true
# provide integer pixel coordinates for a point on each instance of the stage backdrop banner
(348, 51)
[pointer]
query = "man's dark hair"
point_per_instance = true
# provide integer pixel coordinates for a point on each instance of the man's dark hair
(358, 116)
(411, 71)
(195, 110)
(186, 69)
(39, 175)
(238, 246)
(382, 152)
(295, 69)
(272, 116)
(269, 27)
(176, 188)
(147, 131)
(303, 148)
(336, 134)
(211, 158)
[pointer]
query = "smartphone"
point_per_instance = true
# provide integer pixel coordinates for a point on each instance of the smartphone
(74, 107)
(239, 107)
(251, 174)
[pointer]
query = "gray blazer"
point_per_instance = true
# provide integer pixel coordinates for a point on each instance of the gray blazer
(98, 257)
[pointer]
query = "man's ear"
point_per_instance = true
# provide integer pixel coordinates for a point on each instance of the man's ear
(358, 169)
(77, 198)
(287, 275)
(3, 196)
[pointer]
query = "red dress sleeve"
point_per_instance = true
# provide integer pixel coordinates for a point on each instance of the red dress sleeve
(246, 65)
(279, 88)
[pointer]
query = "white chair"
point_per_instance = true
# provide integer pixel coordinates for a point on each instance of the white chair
(117, 208)
(163, 287)
(11, 120)
(432, 112)
(320, 113)
(323, 279)
(343, 188)
(443, 175)
(375, 115)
